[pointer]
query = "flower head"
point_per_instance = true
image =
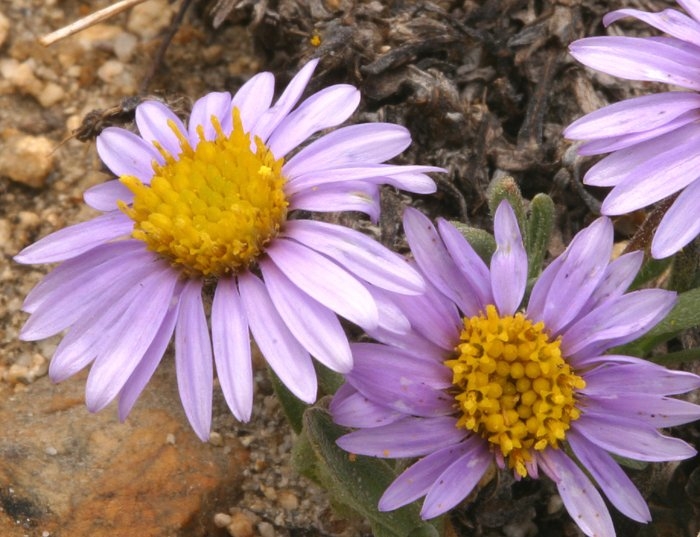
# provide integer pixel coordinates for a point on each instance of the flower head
(216, 205)
(654, 140)
(479, 379)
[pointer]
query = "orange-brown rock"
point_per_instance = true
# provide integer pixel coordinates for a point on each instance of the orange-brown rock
(66, 472)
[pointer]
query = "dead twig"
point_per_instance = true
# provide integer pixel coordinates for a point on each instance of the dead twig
(89, 20)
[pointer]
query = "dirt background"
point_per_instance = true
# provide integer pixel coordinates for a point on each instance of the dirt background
(485, 88)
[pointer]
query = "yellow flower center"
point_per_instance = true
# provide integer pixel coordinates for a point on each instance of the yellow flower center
(211, 209)
(512, 385)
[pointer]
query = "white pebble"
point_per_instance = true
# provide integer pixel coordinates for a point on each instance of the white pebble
(221, 520)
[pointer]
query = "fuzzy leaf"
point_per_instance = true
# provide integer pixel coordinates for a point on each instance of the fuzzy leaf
(539, 228)
(353, 480)
(686, 314)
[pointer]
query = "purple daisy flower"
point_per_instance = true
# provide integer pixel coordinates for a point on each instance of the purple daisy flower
(654, 140)
(478, 380)
(213, 205)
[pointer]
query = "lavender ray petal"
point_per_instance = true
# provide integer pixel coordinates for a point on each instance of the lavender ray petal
(631, 438)
(509, 262)
(635, 58)
(617, 321)
(74, 240)
(432, 316)
(626, 374)
(213, 105)
(457, 481)
(376, 357)
(325, 281)
(412, 341)
(360, 255)
(418, 183)
(152, 119)
(654, 410)
(468, 262)
(127, 154)
(632, 116)
(540, 292)
(581, 499)
(409, 178)
(67, 303)
(673, 22)
(391, 317)
(193, 359)
(62, 279)
(347, 196)
(623, 164)
(326, 108)
(416, 481)
(582, 267)
(680, 224)
(363, 144)
(658, 177)
(617, 277)
(104, 196)
(232, 355)
(254, 98)
(313, 325)
(692, 7)
(606, 145)
(607, 473)
(350, 408)
(286, 356)
(272, 117)
(409, 437)
(85, 340)
(436, 263)
(129, 339)
(147, 366)
(401, 382)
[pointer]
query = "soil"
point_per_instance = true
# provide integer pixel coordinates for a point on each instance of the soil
(485, 87)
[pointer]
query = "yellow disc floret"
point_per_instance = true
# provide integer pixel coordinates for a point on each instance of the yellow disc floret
(210, 210)
(512, 385)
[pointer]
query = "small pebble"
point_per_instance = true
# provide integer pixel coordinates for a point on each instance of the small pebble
(287, 500)
(241, 526)
(26, 159)
(221, 520)
(555, 504)
(265, 529)
(148, 19)
(269, 492)
(50, 95)
(110, 70)
(51, 451)
(215, 439)
(124, 46)
(170, 439)
(21, 76)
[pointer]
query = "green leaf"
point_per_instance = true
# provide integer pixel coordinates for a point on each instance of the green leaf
(292, 406)
(539, 229)
(685, 271)
(653, 268)
(328, 381)
(672, 359)
(482, 241)
(353, 480)
(630, 463)
(505, 188)
(686, 314)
